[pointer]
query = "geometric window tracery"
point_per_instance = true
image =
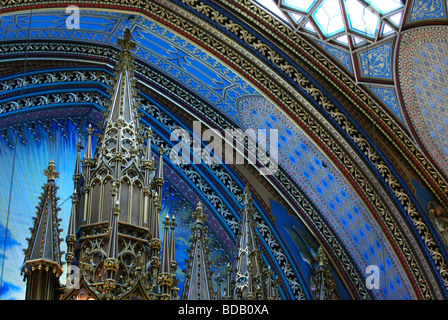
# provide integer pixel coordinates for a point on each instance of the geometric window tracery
(347, 23)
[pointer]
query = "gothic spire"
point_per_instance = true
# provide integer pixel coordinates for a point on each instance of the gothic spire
(198, 284)
(160, 168)
(173, 263)
(121, 141)
(71, 234)
(250, 276)
(166, 279)
(43, 252)
(165, 263)
(74, 218)
(122, 108)
(121, 190)
(45, 232)
(89, 154)
(77, 173)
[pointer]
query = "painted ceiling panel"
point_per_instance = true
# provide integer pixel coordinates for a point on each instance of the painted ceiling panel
(376, 62)
(427, 10)
(423, 68)
(329, 191)
(214, 82)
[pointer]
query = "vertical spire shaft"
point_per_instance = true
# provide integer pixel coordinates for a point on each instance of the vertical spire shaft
(198, 284)
(73, 224)
(111, 264)
(159, 177)
(43, 256)
(122, 116)
(155, 210)
(72, 227)
(89, 154)
(149, 171)
(173, 264)
(113, 232)
(165, 277)
(77, 173)
(165, 264)
(88, 164)
(154, 242)
(250, 276)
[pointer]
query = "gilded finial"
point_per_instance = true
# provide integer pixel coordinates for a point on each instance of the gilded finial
(90, 129)
(161, 149)
(199, 215)
(199, 207)
(126, 43)
(167, 220)
(149, 133)
(247, 195)
(78, 146)
(50, 172)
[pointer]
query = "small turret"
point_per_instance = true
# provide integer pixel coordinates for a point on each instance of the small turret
(198, 284)
(42, 265)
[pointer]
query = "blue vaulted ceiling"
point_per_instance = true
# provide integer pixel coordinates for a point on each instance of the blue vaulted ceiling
(62, 99)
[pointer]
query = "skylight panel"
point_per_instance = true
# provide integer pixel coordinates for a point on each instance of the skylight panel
(309, 26)
(296, 17)
(396, 18)
(343, 39)
(387, 29)
(385, 6)
(329, 17)
(361, 19)
(301, 5)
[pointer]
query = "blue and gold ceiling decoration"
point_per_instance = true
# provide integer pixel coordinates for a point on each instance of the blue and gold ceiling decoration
(346, 156)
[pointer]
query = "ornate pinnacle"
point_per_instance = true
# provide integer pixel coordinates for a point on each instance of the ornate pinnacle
(149, 133)
(160, 169)
(90, 129)
(167, 221)
(126, 43)
(50, 172)
(199, 215)
(161, 150)
(321, 257)
(88, 154)
(78, 146)
(247, 195)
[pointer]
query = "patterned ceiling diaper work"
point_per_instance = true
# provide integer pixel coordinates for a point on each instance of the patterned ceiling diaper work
(328, 190)
(423, 71)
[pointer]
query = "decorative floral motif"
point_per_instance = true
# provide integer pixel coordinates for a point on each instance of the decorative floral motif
(427, 9)
(388, 96)
(376, 62)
